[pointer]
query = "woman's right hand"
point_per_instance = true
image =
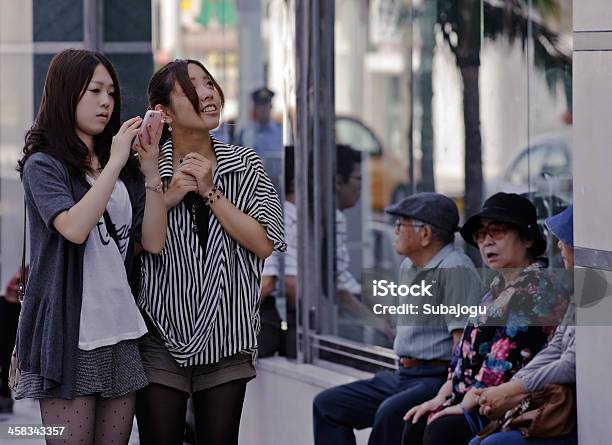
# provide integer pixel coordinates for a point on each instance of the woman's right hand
(495, 401)
(416, 412)
(181, 184)
(122, 142)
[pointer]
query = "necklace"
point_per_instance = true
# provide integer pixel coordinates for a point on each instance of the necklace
(192, 211)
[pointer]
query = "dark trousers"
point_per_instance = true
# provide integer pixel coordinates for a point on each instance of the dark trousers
(379, 402)
(271, 339)
(270, 336)
(453, 429)
(9, 317)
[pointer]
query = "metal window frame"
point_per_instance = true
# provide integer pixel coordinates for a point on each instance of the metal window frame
(315, 166)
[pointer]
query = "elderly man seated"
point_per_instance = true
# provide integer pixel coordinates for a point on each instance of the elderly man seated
(425, 227)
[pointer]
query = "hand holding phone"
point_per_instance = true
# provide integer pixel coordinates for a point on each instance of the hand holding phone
(146, 144)
(149, 126)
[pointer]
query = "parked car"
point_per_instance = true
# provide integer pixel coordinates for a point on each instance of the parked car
(545, 166)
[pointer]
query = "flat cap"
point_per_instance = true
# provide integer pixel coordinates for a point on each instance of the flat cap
(432, 208)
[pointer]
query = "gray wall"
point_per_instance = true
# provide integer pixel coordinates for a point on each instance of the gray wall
(593, 210)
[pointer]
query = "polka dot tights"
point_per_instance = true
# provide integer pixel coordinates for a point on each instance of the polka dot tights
(91, 420)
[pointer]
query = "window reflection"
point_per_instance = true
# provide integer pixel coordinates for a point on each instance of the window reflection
(466, 102)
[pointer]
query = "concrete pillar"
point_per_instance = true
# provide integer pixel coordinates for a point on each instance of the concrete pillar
(592, 94)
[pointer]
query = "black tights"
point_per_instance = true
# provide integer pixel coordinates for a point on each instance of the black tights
(452, 429)
(161, 411)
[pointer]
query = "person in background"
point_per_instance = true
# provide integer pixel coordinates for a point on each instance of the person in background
(352, 312)
(555, 364)
(270, 337)
(523, 306)
(425, 236)
(10, 306)
(352, 309)
(264, 134)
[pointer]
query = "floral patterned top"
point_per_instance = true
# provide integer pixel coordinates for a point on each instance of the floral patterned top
(521, 318)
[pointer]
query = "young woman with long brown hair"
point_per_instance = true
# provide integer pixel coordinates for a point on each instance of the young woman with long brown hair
(88, 206)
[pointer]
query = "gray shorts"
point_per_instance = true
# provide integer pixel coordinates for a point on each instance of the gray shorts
(161, 368)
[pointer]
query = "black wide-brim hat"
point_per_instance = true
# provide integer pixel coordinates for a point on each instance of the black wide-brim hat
(512, 209)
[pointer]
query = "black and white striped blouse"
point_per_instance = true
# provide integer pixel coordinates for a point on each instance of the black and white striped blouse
(205, 306)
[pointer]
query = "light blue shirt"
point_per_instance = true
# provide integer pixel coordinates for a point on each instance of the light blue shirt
(267, 141)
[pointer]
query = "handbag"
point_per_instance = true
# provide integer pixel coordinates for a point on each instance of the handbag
(14, 373)
(550, 412)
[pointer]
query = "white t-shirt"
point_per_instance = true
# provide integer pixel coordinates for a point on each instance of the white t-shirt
(109, 313)
(344, 278)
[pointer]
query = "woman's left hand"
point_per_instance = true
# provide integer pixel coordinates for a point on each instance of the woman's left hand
(147, 147)
(470, 401)
(201, 169)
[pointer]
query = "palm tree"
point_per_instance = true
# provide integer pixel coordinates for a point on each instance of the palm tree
(460, 24)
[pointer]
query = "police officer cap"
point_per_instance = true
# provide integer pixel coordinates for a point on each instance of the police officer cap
(262, 95)
(432, 208)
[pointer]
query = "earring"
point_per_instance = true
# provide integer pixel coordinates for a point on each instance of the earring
(170, 128)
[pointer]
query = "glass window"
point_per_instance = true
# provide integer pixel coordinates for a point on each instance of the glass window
(434, 98)
(528, 167)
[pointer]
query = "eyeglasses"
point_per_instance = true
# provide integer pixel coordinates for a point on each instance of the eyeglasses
(399, 224)
(495, 230)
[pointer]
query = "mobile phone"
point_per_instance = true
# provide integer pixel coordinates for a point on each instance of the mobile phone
(152, 118)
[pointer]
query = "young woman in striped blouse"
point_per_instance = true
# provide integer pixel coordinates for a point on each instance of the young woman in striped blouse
(200, 294)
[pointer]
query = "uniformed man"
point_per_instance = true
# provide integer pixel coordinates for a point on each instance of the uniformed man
(264, 134)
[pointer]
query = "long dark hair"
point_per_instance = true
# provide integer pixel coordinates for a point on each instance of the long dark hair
(162, 84)
(53, 130)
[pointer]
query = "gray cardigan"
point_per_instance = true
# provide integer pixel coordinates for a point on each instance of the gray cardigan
(48, 332)
(555, 364)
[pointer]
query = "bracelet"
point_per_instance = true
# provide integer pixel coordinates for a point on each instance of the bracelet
(158, 188)
(214, 194)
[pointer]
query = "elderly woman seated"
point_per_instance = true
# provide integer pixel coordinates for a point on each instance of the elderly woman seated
(523, 306)
(556, 364)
